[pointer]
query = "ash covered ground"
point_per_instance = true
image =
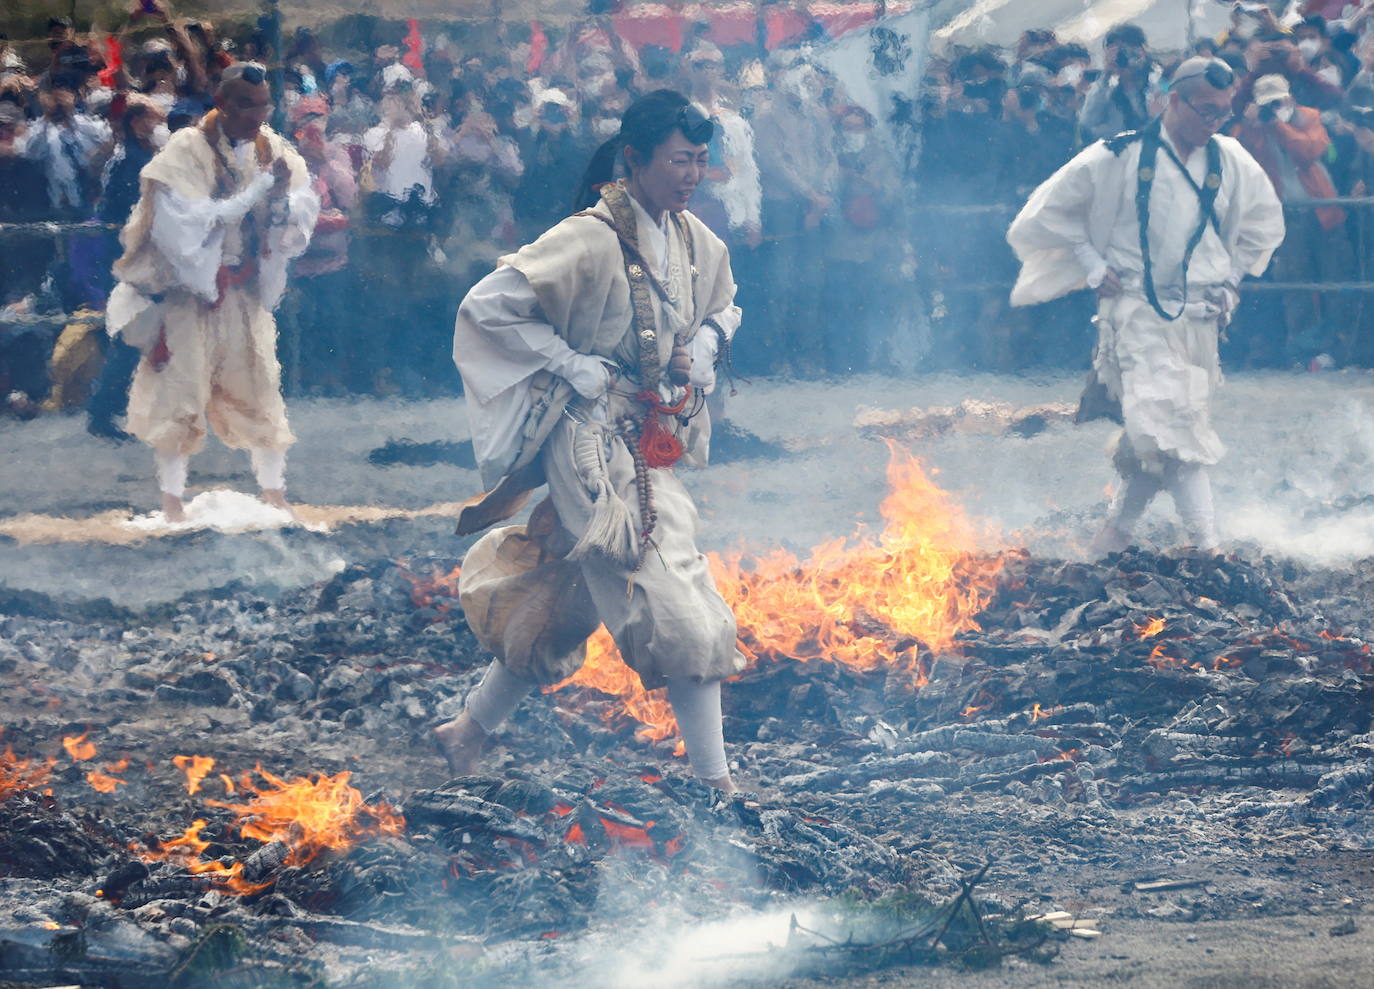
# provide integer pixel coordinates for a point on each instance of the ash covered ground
(1164, 747)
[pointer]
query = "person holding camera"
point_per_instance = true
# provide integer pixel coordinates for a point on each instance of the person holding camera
(1123, 97)
(1290, 141)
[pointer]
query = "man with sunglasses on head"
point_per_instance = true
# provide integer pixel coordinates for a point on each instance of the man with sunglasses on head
(1163, 223)
(223, 208)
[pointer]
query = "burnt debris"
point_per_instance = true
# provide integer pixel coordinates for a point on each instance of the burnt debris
(1104, 717)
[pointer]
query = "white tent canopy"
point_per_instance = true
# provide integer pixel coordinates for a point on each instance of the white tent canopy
(1169, 24)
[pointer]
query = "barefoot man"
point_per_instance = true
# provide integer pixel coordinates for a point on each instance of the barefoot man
(222, 210)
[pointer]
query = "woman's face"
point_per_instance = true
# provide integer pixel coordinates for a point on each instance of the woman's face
(668, 179)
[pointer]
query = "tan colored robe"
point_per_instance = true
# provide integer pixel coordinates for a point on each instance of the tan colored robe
(525, 598)
(222, 372)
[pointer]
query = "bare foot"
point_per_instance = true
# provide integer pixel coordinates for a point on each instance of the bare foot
(172, 508)
(276, 497)
(725, 784)
(461, 743)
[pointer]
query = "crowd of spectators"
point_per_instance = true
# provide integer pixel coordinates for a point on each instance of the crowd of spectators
(434, 157)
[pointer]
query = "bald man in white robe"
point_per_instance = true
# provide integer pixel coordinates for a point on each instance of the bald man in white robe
(223, 208)
(1213, 218)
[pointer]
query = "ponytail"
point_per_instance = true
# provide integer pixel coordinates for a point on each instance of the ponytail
(647, 123)
(599, 172)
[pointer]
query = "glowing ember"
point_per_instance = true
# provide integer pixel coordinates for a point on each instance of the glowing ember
(1151, 628)
(20, 774)
(196, 769)
(78, 748)
(311, 815)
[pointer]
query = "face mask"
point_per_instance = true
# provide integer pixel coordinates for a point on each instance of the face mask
(523, 115)
(852, 141)
(1330, 74)
(1309, 48)
(1071, 75)
(1284, 113)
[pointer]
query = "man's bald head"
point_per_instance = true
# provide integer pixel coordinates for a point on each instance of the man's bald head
(1199, 100)
(243, 100)
(1201, 73)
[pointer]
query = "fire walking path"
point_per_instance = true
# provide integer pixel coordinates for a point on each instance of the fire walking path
(1298, 480)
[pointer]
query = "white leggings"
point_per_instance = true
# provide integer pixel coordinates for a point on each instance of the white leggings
(269, 467)
(1191, 490)
(696, 706)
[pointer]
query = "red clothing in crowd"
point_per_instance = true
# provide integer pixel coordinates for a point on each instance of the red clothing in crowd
(1304, 140)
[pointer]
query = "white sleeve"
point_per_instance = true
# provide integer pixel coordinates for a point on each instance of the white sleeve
(287, 238)
(190, 232)
(706, 346)
(1254, 221)
(502, 339)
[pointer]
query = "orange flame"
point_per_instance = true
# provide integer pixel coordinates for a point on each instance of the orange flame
(425, 590)
(866, 604)
(311, 815)
(21, 774)
(186, 850)
(102, 783)
(1151, 628)
(196, 768)
(605, 671)
(78, 748)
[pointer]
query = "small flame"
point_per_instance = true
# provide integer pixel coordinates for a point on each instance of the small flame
(1036, 713)
(1151, 628)
(196, 769)
(78, 748)
(228, 783)
(21, 774)
(51, 925)
(605, 671)
(187, 849)
(438, 591)
(102, 783)
(311, 815)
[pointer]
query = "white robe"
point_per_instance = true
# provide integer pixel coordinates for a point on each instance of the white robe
(222, 369)
(1083, 220)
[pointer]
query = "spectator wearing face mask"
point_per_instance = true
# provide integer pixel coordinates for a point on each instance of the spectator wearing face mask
(1289, 141)
(1352, 131)
(1276, 54)
(1124, 96)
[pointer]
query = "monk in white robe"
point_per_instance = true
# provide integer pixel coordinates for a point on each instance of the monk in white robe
(585, 360)
(223, 208)
(1212, 219)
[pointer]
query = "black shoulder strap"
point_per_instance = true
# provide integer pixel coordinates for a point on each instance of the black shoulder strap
(1207, 196)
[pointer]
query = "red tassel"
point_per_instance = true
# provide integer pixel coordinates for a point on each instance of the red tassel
(660, 447)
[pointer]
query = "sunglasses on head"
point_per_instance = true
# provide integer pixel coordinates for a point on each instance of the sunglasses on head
(695, 125)
(1218, 75)
(253, 74)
